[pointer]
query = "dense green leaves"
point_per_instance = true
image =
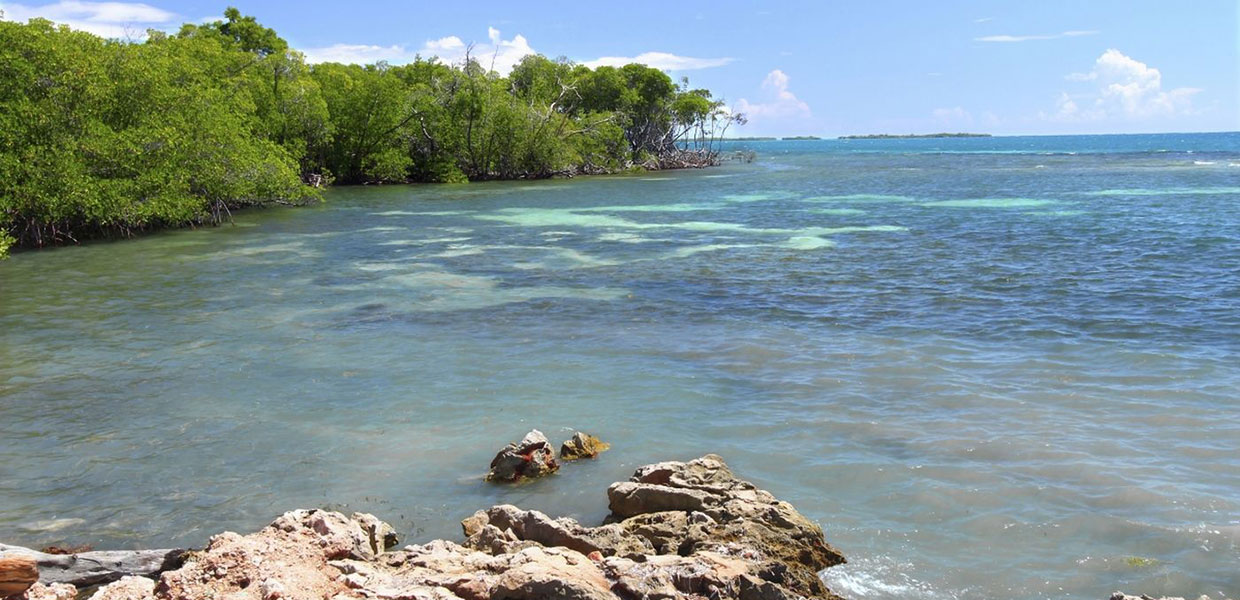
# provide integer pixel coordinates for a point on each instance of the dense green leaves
(101, 137)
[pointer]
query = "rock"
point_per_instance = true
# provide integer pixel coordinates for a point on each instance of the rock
(506, 528)
(582, 445)
(700, 505)
(126, 588)
(683, 531)
(697, 518)
(18, 571)
(51, 591)
(531, 457)
(288, 559)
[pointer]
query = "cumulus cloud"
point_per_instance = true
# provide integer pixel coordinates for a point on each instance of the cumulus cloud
(660, 60)
(1126, 88)
(778, 102)
(1027, 38)
(106, 19)
(498, 53)
(358, 54)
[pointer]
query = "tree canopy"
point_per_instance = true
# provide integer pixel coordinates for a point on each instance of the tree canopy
(103, 137)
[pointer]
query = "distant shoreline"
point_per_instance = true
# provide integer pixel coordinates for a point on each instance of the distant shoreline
(894, 136)
(771, 138)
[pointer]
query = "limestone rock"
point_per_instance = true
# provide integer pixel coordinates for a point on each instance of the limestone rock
(51, 591)
(531, 457)
(682, 531)
(582, 445)
(126, 588)
(506, 528)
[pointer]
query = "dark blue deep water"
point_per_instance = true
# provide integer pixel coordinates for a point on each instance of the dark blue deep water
(991, 368)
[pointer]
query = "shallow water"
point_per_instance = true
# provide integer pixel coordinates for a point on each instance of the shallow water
(990, 368)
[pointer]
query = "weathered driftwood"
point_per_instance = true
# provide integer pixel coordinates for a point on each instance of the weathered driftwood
(17, 573)
(90, 568)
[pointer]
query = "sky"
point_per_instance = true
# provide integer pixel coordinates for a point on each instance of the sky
(803, 68)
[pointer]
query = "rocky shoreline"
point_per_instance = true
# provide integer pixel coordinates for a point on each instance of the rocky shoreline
(677, 530)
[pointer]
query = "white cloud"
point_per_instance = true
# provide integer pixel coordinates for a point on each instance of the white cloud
(359, 54)
(660, 60)
(498, 54)
(779, 102)
(1026, 38)
(1126, 89)
(106, 19)
(984, 20)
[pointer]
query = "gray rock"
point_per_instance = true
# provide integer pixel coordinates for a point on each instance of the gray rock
(531, 457)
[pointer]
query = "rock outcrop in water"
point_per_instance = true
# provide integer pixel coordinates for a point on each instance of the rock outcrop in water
(531, 457)
(582, 445)
(678, 530)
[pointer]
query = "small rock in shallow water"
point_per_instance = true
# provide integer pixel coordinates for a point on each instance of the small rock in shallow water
(582, 445)
(531, 457)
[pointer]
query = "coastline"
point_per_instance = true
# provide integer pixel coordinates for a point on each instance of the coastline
(677, 531)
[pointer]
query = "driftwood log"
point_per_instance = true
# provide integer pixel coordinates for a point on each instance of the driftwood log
(88, 568)
(17, 573)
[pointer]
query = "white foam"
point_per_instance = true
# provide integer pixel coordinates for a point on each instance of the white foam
(1204, 162)
(880, 579)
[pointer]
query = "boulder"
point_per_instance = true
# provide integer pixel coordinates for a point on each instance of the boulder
(529, 458)
(582, 445)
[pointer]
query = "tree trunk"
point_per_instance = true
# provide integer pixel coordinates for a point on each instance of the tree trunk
(89, 568)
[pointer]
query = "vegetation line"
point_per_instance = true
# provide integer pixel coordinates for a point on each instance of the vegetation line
(107, 138)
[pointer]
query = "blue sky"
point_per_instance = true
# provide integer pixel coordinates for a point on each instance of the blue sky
(815, 68)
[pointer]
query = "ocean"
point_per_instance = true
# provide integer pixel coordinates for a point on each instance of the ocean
(989, 367)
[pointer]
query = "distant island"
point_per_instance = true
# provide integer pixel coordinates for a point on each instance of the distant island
(891, 136)
(772, 139)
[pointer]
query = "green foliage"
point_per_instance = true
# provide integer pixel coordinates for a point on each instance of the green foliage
(101, 137)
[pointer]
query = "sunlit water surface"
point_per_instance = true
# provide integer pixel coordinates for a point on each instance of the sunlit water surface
(1002, 368)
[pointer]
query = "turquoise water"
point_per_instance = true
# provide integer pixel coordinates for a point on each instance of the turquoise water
(1001, 367)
